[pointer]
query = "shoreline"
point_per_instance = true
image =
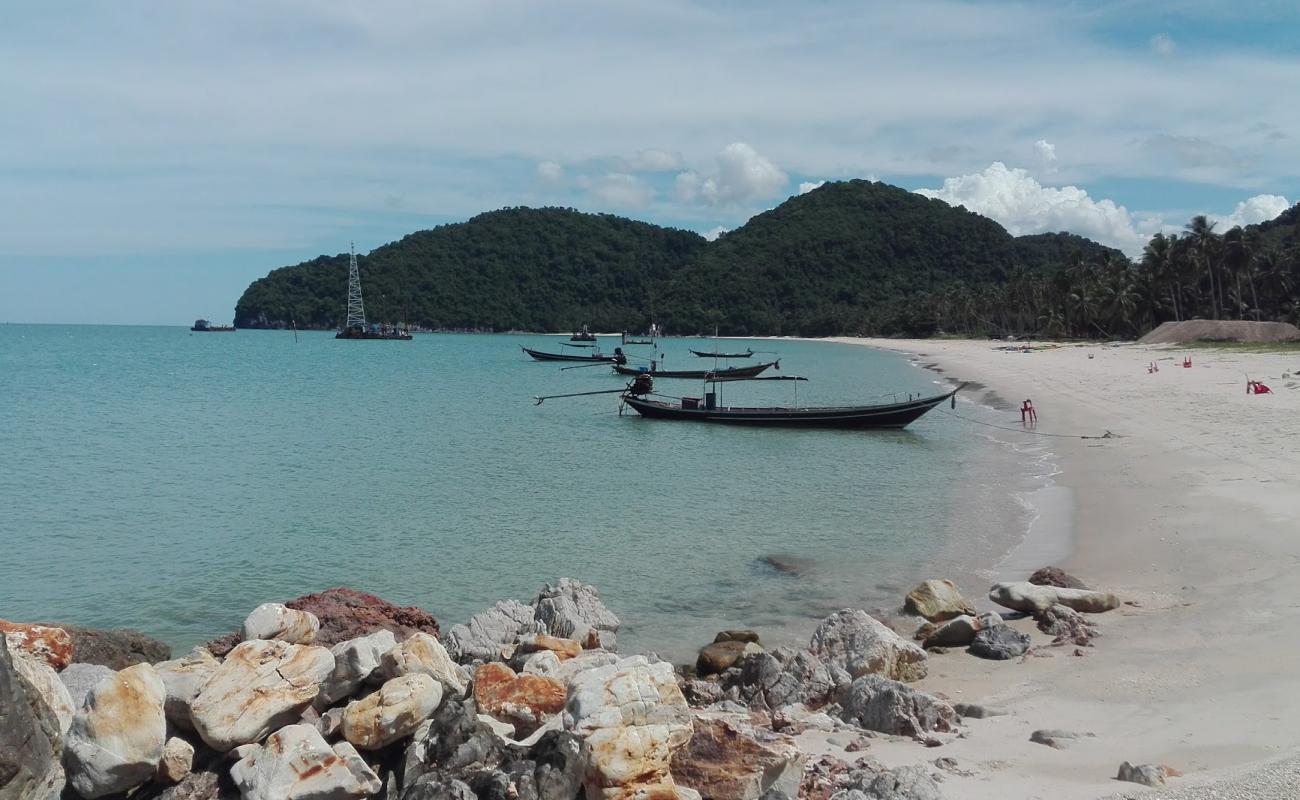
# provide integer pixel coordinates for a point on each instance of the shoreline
(1178, 517)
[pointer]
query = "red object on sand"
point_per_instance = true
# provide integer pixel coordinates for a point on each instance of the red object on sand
(1027, 412)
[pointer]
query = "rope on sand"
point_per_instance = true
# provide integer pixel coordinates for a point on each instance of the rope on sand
(1106, 435)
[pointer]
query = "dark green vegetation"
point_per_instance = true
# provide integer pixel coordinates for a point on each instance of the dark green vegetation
(850, 257)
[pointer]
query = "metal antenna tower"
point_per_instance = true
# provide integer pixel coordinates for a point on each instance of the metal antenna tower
(356, 307)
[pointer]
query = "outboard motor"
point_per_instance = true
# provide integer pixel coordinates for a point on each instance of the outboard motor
(642, 384)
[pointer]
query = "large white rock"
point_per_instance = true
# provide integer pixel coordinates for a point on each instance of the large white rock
(489, 633)
(297, 764)
(393, 712)
(632, 718)
(354, 661)
(261, 686)
(46, 682)
(573, 610)
(279, 622)
(116, 739)
(1034, 599)
(423, 654)
(855, 642)
(185, 678)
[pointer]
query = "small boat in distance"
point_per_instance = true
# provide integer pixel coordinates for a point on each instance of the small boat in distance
(732, 373)
(583, 335)
(649, 338)
(706, 409)
(356, 327)
(203, 326)
(540, 355)
(747, 354)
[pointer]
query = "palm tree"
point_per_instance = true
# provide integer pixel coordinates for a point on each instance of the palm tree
(1201, 232)
(1160, 261)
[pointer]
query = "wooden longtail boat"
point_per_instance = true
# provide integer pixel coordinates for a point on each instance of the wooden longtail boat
(702, 354)
(698, 374)
(616, 358)
(888, 415)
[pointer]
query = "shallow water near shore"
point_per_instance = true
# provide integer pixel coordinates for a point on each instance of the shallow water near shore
(171, 481)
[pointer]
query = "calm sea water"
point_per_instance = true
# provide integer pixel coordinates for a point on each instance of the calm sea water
(171, 481)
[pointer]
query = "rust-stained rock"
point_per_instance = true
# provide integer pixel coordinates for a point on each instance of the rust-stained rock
(261, 686)
(730, 761)
(565, 649)
(183, 678)
(423, 654)
(177, 760)
(524, 701)
(51, 645)
(857, 643)
(30, 743)
(297, 764)
(632, 717)
(277, 621)
(392, 713)
(116, 739)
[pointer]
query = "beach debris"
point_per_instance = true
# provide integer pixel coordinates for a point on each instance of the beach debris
(391, 713)
(423, 654)
(116, 739)
(297, 762)
(729, 760)
(1057, 739)
(999, 643)
(355, 662)
(177, 760)
(573, 610)
(1067, 626)
(183, 678)
(1145, 774)
(880, 704)
(978, 711)
(937, 601)
(1055, 576)
(852, 640)
(45, 681)
(720, 656)
(260, 687)
(525, 701)
(31, 746)
(490, 632)
(79, 679)
(1034, 599)
(49, 644)
(279, 622)
(631, 717)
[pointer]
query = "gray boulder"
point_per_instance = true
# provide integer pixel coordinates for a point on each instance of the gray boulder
(771, 680)
(1055, 738)
(1067, 626)
(879, 704)
(30, 743)
(80, 678)
(1145, 774)
(490, 632)
(861, 645)
(573, 610)
(1034, 599)
(904, 783)
(956, 632)
(183, 679)
(999, 643)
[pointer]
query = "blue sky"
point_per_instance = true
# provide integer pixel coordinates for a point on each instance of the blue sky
(156, 158)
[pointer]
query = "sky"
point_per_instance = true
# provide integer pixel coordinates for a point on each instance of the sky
(155, 158)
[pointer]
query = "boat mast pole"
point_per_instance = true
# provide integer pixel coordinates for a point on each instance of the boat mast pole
(356, 306)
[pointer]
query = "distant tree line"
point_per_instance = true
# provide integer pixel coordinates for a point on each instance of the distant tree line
(849, 257)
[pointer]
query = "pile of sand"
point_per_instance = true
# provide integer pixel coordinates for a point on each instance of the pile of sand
(1229, 330)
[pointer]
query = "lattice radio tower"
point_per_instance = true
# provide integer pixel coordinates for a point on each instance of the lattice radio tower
(356, 307)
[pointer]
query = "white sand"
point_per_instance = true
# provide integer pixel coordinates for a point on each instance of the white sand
(1194, 514)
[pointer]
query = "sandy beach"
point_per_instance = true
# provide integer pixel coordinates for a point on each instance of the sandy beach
(1188, 512)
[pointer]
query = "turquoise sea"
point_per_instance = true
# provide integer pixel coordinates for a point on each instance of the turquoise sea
(170, 481)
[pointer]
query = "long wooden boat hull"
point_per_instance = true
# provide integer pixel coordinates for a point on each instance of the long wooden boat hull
(703, 354)
(892, 415)
(700, 374)
(369, 335)
(540, 355)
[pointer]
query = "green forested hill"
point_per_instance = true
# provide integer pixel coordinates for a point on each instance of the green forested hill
(853, 256)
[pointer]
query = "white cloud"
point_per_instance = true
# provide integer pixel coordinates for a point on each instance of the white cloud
(550, 172)
(808, 186)
(1022, 205)
(713, 233)
(655, 161)
(1162, 44)
(1252, 210)
(741, 175)
(1046, 154)
(619, 190)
